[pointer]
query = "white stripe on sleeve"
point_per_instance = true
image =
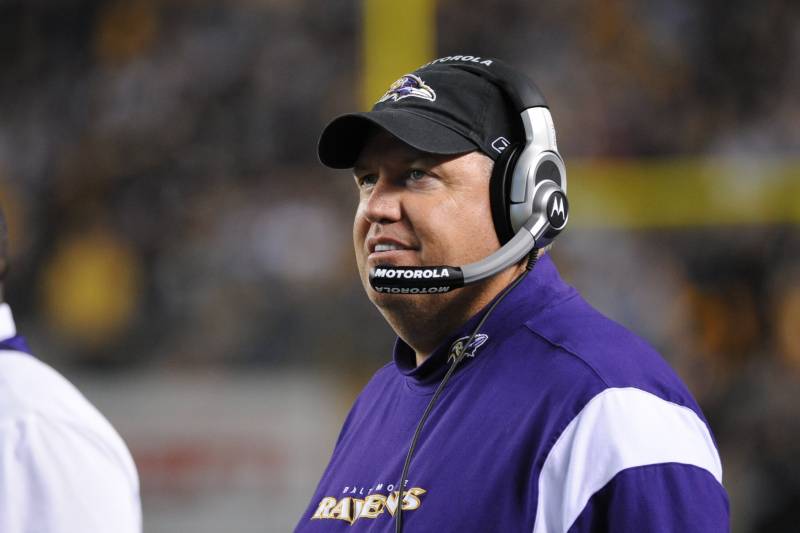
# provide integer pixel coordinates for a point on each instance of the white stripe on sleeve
(620, 428)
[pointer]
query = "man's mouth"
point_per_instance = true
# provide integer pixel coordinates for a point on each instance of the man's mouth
(388, 247)
(388, 250)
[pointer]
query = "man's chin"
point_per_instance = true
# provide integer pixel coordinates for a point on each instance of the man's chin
(385, 298)
(403, 305)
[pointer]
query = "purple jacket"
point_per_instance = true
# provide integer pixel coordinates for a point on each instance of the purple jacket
(557, 420)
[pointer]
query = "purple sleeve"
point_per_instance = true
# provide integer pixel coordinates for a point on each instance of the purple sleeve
(669, 497)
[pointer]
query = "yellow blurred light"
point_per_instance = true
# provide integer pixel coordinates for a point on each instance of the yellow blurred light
(679, 192)
(91, 287)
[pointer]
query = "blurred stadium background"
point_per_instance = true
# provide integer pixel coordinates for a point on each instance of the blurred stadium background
(179, 253)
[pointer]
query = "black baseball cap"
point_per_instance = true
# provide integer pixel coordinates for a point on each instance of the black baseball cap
(438, 108)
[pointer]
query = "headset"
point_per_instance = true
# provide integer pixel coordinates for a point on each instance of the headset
(528, 191)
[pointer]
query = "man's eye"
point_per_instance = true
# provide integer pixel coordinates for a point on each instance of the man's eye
(416, 174)
(368, 180)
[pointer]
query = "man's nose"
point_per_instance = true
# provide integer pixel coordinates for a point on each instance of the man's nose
(384, 204)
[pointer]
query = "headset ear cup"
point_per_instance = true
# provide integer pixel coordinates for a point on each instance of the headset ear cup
(500, 192)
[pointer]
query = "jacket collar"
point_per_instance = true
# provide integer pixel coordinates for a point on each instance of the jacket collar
(541, 288)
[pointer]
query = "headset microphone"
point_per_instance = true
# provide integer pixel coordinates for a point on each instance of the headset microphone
(548, 199)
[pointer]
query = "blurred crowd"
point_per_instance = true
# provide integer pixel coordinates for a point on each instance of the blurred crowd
(158, 170)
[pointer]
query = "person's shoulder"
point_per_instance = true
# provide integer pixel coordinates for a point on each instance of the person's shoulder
(605, 398)
(613, 354)
(32, 393)
(385, 373)
(54, 433)
(31, 386)
(628, 416)
(379, 381)
(27, 383)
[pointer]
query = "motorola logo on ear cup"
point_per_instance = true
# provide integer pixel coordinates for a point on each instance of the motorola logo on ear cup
(557, 210)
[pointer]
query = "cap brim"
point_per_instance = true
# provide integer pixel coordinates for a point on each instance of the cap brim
(343, 139)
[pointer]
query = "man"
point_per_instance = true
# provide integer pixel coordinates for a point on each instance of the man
(63, 468)
(554, 418)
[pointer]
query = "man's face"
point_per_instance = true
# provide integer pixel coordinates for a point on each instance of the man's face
(419, 209)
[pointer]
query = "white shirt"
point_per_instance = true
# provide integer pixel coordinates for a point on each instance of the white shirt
(63, 468)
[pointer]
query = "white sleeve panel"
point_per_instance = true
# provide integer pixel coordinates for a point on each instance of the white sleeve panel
(58, 478)
(620, 428)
